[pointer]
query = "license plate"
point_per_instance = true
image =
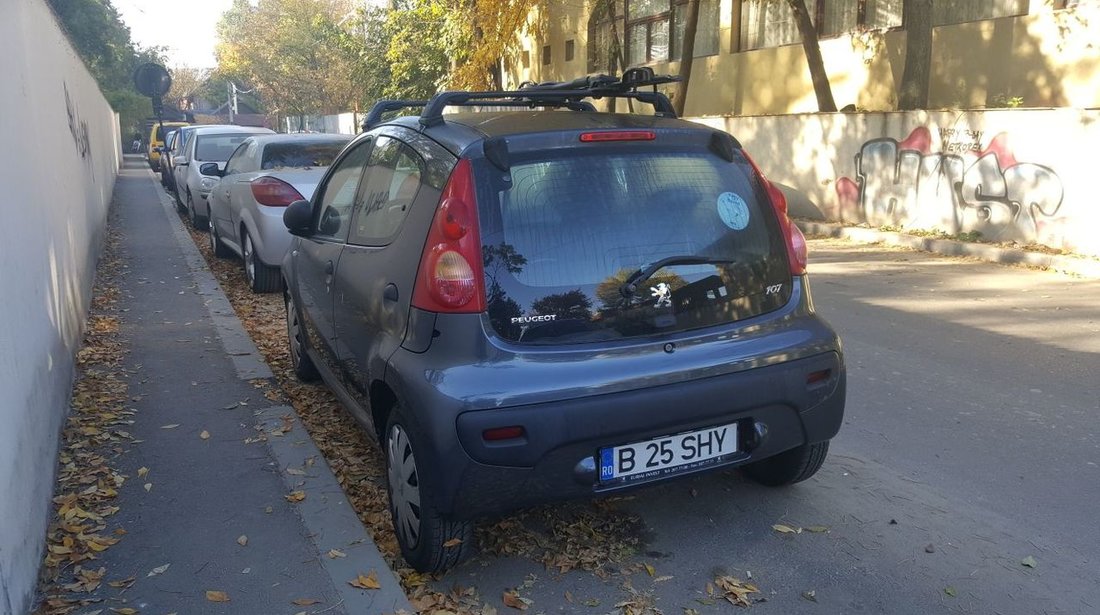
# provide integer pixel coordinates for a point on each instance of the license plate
(667, 455)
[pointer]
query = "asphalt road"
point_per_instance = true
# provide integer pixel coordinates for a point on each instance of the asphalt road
(969, 446)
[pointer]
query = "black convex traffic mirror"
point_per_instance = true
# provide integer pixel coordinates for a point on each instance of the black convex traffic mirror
(298, 218)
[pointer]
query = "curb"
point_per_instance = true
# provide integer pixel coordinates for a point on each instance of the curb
(1083, 267)
(325, 513)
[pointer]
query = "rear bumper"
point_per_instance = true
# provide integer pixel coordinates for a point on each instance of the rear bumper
(557, 457)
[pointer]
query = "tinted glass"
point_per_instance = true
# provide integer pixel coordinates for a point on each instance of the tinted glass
(239, 161)
(312, 154)
(338, 196)
(217, 148)
(391, 183)
(560, 244)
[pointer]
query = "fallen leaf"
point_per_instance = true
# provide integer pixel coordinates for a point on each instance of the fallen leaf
(125, 611)
(512, 600)
(148, 486)
(454, 542)
(158, 570)
(242, 540)
(205, 435)
(305, 601)
(296, 496)
(950, 591)
(785, 529)
(662, 578)
(810, 595)
(734, 590)
(650, 569)
(593, 602)
(335, 553)
(217, 596)
(1029, 562)
(172, 426)
(817, 529)
(368, 581)
(295, 472)
(568, 597)
(142, 471)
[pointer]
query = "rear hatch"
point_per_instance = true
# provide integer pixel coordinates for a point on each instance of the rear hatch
(607, 240)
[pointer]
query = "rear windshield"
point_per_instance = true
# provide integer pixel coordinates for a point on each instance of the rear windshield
(312, 154)
(218, 148)
(561, 244)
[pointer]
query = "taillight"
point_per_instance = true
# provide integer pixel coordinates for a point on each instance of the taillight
(797, 252)
(450, 278)
(617, 135)
(274, 192)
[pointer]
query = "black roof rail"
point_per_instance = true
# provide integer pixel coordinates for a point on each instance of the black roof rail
(374, 116)
(562, 94)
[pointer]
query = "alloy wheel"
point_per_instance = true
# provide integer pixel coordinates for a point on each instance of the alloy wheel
(404, 483)
(293, 331)
(213, 237)
(249, 260)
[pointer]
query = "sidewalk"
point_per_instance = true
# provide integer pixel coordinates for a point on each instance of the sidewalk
(213, 505)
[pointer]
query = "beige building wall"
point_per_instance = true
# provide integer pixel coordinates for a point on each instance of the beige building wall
(1045, 58)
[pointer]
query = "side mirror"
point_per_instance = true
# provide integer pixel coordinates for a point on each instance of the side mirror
(211, 169)
(298, 218)
(179, 161)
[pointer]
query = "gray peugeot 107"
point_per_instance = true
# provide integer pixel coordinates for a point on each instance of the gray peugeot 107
(536, 300)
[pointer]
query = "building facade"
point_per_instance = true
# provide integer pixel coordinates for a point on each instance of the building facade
(749, 59)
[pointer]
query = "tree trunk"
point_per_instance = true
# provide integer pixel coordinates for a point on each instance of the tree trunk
(813, 56)
(687, 47)
(917, 17)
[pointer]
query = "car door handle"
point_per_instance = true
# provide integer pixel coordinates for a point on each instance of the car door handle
(390, 292)
(329, 268)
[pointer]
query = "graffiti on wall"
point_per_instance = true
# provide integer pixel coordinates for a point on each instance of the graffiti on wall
(963, 187)
(78, 128)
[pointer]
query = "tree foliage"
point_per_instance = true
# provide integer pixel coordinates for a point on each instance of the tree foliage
(299, 54)
(101, 39)
(484, 32)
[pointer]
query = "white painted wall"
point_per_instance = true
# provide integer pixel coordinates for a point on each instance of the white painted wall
(57, 171)
(1024, 175)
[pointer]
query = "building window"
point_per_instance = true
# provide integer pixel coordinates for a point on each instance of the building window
(605, 37)
(771, 23)
(569, 51)
(546, 57)
(525, 58)
(960, 11)
(706, 32)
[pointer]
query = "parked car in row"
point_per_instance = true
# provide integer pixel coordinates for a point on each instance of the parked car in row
(165, 157)
(538, 304)
(157, 131)
(205, 144)
(265, 174)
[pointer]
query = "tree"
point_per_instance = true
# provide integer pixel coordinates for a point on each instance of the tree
(917, 17)
(690, 26)
(483, 32)
(572, 304)
(418, 52)
(186, 83)
(102, 40)
(813, 56)
(293, 51)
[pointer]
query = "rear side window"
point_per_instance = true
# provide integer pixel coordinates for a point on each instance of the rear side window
(561, 244)
(391, 182)
(312, 154)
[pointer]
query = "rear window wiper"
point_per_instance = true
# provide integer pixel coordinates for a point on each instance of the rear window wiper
(630, 286)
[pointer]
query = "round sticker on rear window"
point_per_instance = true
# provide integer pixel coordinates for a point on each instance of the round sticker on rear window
(733, 211)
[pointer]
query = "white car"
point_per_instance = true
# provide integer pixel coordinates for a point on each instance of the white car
(208, 144)
(264, 175)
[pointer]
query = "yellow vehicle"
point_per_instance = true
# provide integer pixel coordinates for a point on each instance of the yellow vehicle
(156, 141)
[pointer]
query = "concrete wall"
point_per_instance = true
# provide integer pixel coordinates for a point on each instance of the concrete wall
(57, 168)
(1046, 58)
(1019, 175)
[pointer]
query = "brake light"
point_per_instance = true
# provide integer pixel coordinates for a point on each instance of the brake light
(617, 135)
(274, 192)
(797, 252)
(450, 277)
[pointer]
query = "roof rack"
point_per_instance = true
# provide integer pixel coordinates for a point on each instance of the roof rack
(567, 94)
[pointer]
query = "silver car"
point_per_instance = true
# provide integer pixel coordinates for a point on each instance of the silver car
(264, 175)
(207, 144)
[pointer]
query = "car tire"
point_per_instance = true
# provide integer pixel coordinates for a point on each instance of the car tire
(198, 222)
(430, 542)
(303, 365)
(789, 467)
(261, 278)
(219, 249)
